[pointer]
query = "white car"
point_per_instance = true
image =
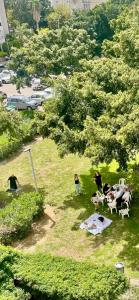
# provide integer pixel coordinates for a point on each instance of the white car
(35, 82)
(44, 95)
(6, 76)
(49, 93)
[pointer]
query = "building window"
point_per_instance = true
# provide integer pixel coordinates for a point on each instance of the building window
(86, 4)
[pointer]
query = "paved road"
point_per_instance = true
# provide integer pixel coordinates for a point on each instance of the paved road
(10, 90)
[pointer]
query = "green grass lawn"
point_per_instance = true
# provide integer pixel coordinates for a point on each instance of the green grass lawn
(120, 242)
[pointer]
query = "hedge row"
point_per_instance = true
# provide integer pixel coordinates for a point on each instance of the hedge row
(55, 278)
(41, 277)
(8, 289)
(16, 218)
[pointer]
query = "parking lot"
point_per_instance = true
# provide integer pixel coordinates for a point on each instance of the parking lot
(10, 90)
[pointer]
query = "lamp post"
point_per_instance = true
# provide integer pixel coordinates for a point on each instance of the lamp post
(32, 168)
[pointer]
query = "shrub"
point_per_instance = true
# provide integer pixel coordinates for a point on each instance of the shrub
(7, 146)
(8, 290)
(41, 277)
(2, 54)
(17, 217)
(48, 277)
(15, 129)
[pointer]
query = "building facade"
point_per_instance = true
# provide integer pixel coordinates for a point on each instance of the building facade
(3, 23)
(77, 4)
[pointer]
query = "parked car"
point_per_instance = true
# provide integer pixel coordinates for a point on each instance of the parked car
(2, 66)
(43, 96)
(7, 58)
(49, 93)
(21, 103)
(38, 98)
(6, 76)
(35, 83)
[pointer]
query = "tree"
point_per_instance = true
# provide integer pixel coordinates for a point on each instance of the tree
(53, 52)
(36, 11)
(28, 11)
(96, 110)
(59, 17)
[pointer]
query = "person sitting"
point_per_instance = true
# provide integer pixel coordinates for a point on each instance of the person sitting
(106, 188)
(14, 183)
(118, 195)
(126, 194)
(95, 200)
(110, 196)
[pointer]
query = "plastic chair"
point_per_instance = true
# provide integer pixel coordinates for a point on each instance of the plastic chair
(124, 212)
(127, 200)
(112, 205)
(101, 197)
(122, 181)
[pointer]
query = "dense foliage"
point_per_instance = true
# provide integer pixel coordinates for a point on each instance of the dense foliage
(51, 52)
(15, 129)
(23, 11)
(90, 113)
(96, 108)
(17, 217)
(43, 276)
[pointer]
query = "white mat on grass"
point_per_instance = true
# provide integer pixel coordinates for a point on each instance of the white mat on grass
(100, 226)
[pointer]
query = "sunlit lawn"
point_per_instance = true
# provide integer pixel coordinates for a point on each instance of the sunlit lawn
(120, 242)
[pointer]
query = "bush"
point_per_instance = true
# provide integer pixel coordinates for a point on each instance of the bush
(41, 277)
(7, 147)
(17, 217)
(15, 129)
(48, 277)
(2, 54)
(8, 290)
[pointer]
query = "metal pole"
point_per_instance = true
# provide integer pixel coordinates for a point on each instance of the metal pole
(33, 171)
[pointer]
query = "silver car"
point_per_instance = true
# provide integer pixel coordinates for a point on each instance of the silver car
(21, 103)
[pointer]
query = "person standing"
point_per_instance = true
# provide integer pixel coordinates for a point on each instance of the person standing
(98, 181)
(14, 183)
(77, 184)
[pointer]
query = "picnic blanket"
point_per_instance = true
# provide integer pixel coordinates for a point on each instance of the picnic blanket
(93, 221)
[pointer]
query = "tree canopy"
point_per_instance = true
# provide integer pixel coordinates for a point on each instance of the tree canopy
(95, 110)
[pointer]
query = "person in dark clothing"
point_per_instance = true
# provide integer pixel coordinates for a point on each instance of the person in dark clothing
(119, 195)
(98, 181)
(13, 183)
(106, 188)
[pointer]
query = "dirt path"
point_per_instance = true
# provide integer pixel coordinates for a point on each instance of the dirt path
(39, 231)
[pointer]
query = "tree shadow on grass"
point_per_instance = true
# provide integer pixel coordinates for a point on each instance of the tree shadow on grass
(27, 188)
(124, 231)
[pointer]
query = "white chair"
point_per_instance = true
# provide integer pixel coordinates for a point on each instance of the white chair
(122, 181)
(127, 200)
(101, 197)
(112, 205)
(124, 212)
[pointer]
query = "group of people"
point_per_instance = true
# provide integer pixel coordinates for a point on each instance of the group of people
(121, 195)
(98, 181)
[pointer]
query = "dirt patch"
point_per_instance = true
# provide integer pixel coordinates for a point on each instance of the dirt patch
(134, 282)
(38, 235)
